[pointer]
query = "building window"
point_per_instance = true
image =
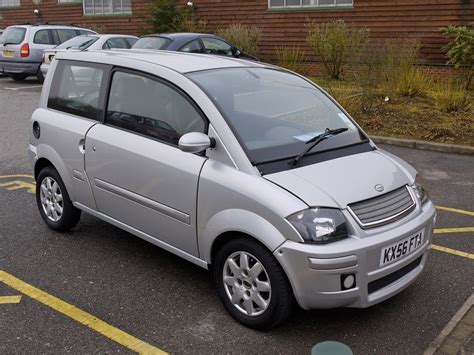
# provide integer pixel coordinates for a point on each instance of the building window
(107, 7)
(69, 1)
(307, 3)
(9, 3)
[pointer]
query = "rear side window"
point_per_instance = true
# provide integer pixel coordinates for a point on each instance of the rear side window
(151, 108)
(42, 37)
(13, 35)
(117, 42)
(192, 47)
(65, 34)
(152, 43)
(76, 89)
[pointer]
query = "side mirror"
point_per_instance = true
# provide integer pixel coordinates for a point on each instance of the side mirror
(195, 142)
(237, 53)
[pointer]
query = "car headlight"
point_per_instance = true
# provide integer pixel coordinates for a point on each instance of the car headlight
(419, 190)
(320, 225)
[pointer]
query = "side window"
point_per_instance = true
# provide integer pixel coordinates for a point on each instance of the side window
(131, 41)
(86, 33)
(65, 34)
(216, 46)
(42, 37)
(151, 108)
(117, 42)
(192, 47)
(76, 89)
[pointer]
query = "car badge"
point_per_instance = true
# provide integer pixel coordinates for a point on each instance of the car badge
(379, 188)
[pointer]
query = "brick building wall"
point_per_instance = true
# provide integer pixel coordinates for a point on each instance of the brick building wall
(419, 19)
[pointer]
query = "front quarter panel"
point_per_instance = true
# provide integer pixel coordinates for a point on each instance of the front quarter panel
(233, 201)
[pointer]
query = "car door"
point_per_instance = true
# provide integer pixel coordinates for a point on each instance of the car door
(74, 106)
(138, 174)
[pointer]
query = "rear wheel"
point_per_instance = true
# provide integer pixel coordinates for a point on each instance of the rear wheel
(40, 76)
(53, 201)
(18, 77)
(252, 285)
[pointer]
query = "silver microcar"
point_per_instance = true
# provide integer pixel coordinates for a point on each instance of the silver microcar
(243, 168)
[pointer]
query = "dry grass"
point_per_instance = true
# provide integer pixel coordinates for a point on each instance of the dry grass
(292, 58)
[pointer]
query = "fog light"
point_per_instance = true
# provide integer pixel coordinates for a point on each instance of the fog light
(348, 281)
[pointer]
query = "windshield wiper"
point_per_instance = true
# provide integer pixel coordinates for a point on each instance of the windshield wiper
(313, 142)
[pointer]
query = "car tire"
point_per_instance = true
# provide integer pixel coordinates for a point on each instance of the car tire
(53, 201)
(40, 76)
(18, 77)
(238, 288)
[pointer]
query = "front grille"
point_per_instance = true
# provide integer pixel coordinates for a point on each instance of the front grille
(391, 278)
(383, 209)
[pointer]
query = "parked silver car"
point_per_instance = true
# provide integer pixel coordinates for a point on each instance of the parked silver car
(85, 43)
(238, 166)
(21, 47)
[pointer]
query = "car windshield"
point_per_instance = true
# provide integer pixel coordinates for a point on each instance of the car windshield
(273, 113)
(13, 35)
(152, 43)
(79, 42)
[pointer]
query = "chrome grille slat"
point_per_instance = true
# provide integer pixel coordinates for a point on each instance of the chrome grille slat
(383, 204)
(383, 209)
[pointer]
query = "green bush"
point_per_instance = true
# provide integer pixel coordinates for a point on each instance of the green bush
(335, 44)
(292, 58)
(244, 37)
(460, 51)
(401, 74)
(171, 16)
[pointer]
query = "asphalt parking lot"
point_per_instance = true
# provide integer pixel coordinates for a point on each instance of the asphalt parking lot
(149, 299)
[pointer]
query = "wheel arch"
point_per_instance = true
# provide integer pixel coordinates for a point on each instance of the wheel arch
(47, 156)
(235, 223)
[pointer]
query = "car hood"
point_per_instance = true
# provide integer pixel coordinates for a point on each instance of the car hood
(341, 181)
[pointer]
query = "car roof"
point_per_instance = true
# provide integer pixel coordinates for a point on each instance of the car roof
(51, 26)
(106, 35)
(181, 35)
(177, 61)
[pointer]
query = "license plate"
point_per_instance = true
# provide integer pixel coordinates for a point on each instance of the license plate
(8, 54)
(400, 249)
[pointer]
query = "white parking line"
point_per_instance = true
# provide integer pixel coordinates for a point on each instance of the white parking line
(24, 87)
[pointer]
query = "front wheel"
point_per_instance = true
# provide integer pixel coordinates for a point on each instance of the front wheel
(252, 285)
(53, 201)
(18, 77)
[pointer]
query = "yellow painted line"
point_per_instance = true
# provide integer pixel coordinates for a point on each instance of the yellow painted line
(469, 213)
(454, 230)
(16, 176)
(10, 299)
(79, 315)
(17, 184)
(453, 251)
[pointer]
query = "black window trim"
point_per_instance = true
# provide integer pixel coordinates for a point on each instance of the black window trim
(154, 78)
(102, 91)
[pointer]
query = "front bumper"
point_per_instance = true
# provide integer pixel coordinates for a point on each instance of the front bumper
(315, 271)
(11, 67)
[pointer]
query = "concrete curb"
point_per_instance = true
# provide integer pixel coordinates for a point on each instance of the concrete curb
(445, 333)
(437, 147)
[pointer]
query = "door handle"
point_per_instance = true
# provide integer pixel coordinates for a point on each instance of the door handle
(82, 146)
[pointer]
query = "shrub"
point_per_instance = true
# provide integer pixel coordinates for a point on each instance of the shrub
(167, 16)
(244, 37)
(292, 58)
(347, 95)
(401, 74)
(460, 50)
(336, 45)
(451, 96)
